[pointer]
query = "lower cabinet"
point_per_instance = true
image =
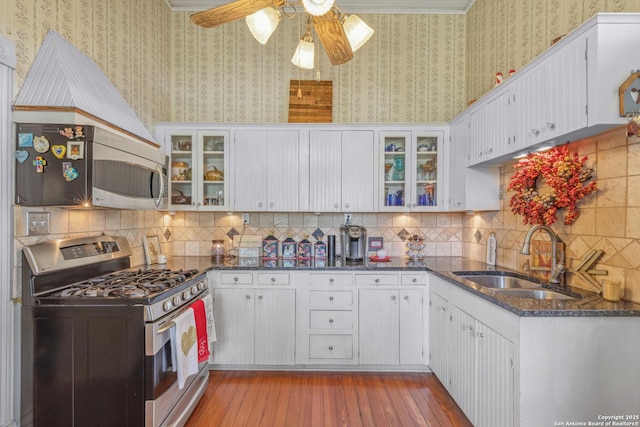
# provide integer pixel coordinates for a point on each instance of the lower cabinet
(254, 326)
(390, 326)
(473, 361)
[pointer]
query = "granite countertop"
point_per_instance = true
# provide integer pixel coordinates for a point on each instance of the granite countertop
(586, 303)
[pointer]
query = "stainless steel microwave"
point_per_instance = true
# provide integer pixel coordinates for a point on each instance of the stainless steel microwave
(68, 165)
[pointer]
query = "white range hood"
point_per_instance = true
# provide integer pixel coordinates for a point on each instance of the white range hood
(65, 86)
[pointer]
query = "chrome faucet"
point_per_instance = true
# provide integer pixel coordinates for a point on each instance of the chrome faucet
(558, 267)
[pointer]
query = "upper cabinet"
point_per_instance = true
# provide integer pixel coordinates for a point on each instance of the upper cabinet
(265, 168)
(567, 93)
(341, 170)
(198, 167)
(410, 172)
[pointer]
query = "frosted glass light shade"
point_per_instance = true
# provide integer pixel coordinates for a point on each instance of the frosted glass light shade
(263, 23)
(317, 7)
(304, 54)
(357, 31)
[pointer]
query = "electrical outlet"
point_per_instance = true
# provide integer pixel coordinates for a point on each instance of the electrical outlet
(37, 223)
(347, 218)
(245, 218)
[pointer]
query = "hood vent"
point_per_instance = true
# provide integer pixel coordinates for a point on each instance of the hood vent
(63, 82)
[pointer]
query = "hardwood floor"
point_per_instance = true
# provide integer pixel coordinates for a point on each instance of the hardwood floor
(292, 399)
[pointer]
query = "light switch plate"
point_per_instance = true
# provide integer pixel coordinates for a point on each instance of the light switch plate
(37, 223)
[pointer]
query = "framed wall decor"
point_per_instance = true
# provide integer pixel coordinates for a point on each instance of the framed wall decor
(152, 248)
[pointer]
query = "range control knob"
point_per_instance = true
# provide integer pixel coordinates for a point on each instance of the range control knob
(200, 285)
(194, 290)
(186, 294)
(177, 300)
(167, 306)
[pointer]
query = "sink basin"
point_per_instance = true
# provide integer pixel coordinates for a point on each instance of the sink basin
(532, 293)
(500, 281)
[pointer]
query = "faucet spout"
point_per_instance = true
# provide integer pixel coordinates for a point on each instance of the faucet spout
(558, 267)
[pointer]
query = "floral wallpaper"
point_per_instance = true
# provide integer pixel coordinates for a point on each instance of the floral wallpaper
(501, 35)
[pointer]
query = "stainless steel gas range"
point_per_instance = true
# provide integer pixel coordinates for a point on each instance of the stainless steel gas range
(96, 342)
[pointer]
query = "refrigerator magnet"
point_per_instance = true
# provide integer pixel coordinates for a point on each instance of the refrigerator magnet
(75, 150)
(39, 163)
(41, 144)
(59, 151)
(25, 140)
(69, 172)
(22, 155)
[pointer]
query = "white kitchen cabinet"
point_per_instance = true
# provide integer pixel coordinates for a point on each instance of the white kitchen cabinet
(198, 168)
(266, 170)
(410, 170)
(438, 337)
(391, 326)
(234, 315)
(461, 372)
(255, 325)
(342, 171)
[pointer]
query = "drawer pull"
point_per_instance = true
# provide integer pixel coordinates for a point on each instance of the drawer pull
(406, 297)
(331, 280)
(393, 297)
(330, 298)
(259, 296)
(330, 320)
(235, 279)
(414, 280)
(330, 347)
(273, 279)
(377, 280)
(247, 296)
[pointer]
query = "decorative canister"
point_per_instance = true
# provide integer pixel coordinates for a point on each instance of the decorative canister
(289, 248)
(179, 170)
(305, 248)
(320, 249)
(217, 248)
(270, 246)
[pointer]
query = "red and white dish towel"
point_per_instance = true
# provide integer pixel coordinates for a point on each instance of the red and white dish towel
(200, 315)
(211, 326)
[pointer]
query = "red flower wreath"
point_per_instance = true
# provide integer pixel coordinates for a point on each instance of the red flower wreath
(563, 172)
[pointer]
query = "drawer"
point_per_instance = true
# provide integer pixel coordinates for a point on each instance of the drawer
(273, 278)
(414, 279)
(330, 279)
(331, 298)
(330, 319)
(330, 346)
(376, 279)
(236, 278)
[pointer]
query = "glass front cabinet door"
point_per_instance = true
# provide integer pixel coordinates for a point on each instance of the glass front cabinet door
(199, 163)
(410, 172)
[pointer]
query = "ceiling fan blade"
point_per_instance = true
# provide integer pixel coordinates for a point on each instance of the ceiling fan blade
(333, 38)
(230, 12)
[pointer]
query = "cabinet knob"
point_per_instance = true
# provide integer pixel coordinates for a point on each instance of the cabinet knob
(377, 280)
(335, 205)
(551, 126)
(406, 297)
(330, 320)
(331, 280)
(260, 204)
(534, 132)
(413, 205)
(480, 335)
(235, 279)
(330, 347)
(393, 297)
(259, 296)
(408, 205)
(346, 205)
(330, 298)
(273, 279)
(414, 280)
(247, 296)
(271, 204)
(442, 308)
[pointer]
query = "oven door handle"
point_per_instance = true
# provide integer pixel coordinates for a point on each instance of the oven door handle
(164, 328)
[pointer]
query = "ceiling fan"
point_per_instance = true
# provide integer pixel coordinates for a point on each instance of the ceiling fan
(339, 33)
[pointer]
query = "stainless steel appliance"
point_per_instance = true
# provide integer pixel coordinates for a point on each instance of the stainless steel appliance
(93, 166)
(96, 347)
(353, 241)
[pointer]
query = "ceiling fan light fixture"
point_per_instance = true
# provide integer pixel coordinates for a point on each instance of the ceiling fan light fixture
(263, 23)
(357, 31)
(317, 7)
(303, 57)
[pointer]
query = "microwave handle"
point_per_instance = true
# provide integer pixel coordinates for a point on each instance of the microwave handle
(162, 177)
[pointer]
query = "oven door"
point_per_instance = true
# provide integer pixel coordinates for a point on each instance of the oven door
(163, 399)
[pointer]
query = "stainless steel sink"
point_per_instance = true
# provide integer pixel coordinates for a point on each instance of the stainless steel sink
(500, 281)
(532, 293)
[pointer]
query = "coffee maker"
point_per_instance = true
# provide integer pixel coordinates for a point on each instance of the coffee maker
(353, 241)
